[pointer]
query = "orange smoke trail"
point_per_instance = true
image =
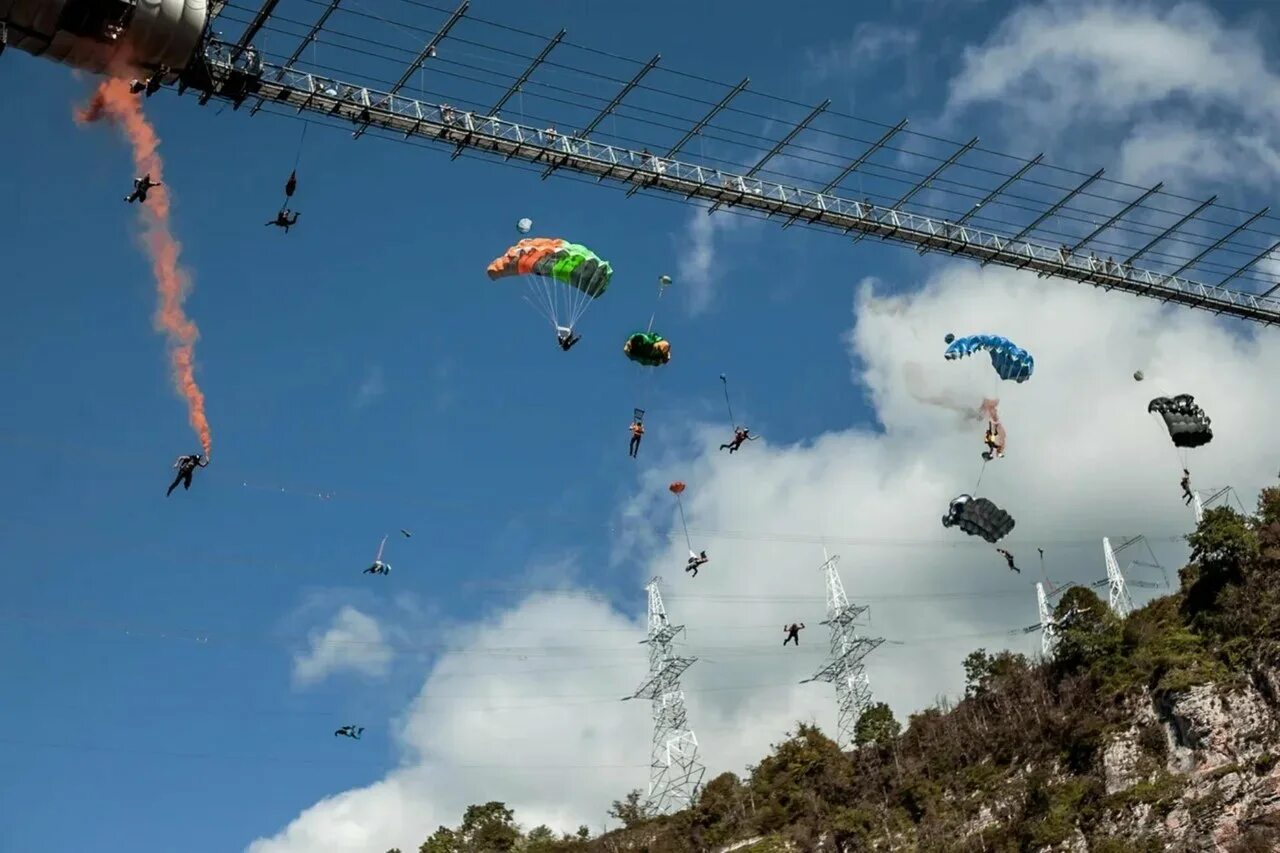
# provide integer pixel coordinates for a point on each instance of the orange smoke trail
(113, 101)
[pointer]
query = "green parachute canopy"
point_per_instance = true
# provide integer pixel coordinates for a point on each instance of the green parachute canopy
(647, 348)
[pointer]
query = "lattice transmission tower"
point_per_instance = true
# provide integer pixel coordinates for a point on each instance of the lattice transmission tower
(1118, 597)
(844, 666)
(1048, 625)
(675, 771)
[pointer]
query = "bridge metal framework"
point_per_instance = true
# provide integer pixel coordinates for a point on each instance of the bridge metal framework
(1022, 214)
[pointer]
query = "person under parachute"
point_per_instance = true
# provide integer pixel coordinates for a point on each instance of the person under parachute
(140, 188)
(740, 434)
(186, 466)
(1188, 427)
(550, 265)
(1008, 558)
(379, 567)
(793, 633)
(566, 338)
(637, 433)
(352, 732)
(285, 219)
(696, 559)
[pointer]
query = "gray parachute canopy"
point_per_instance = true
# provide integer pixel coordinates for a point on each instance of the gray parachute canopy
(1188, 425)
(978, 517)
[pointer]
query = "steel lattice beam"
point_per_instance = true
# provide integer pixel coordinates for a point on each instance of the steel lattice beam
(699, 127)
(611, 106)
(501, 138)
(1113, 220)
(428, 50)
(1057, 206)
(255, 26)
(928, 179)
(778, 146)
(305, 43)
(515, 87)
(1168, 232)
(1220, 241)
(848, 170)
(1249, 265)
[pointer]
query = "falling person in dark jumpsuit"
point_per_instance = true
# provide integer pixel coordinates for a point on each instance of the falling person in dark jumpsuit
(186, 466)
(793, 633)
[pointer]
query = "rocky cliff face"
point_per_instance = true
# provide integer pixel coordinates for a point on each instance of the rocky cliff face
(1201, 770)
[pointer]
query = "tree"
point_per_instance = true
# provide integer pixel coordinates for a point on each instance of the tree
(1087, 630)
(489, 828)
(631, 811)
(877, 725)
(540, 840)
(443, 840)
(1222, 547)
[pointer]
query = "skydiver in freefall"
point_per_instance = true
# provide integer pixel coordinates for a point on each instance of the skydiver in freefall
(1186, 487)
(696, 560)
(140, 187)
(740, 434)
(284, 220)
(637, 433)
(352, 732)
(1008, 558)
(186, 466)
(793, 632)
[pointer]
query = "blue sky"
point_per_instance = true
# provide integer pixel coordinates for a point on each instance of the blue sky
(366, 356)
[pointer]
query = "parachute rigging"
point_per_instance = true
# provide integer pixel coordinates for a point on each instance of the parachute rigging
(978, 517)
(563, 278)
(677, 488)
(733, 424)
(1187, 423)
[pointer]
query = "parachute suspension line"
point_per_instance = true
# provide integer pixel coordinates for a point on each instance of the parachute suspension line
(732, 421)
(656, 302)
(981, 471)
(687, 540)
(297, 157)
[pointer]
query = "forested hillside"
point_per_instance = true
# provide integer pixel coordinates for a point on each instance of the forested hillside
(1158, 732)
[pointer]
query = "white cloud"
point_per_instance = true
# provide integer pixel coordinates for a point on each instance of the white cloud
(373, 386)
(870, 44)
(696, 256)
(1180, 82)
(1085, 460)
(354, 642)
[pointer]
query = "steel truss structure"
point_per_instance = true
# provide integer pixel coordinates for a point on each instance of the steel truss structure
(844, 666)
(1118, 597)
(675, 771)
(964, 200)
(1048, 625)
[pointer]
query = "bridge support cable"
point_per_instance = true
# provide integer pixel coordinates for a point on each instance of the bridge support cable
(397, 114)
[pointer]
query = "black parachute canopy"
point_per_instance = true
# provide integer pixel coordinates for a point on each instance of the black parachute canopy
(978, 517)
(1188, 425)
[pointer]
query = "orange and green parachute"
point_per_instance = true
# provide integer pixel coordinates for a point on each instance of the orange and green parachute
(562, 278)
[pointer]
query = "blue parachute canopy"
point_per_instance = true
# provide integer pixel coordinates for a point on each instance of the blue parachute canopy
(1009, 360)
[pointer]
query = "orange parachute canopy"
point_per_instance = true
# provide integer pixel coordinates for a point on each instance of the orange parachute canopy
(676, 488)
